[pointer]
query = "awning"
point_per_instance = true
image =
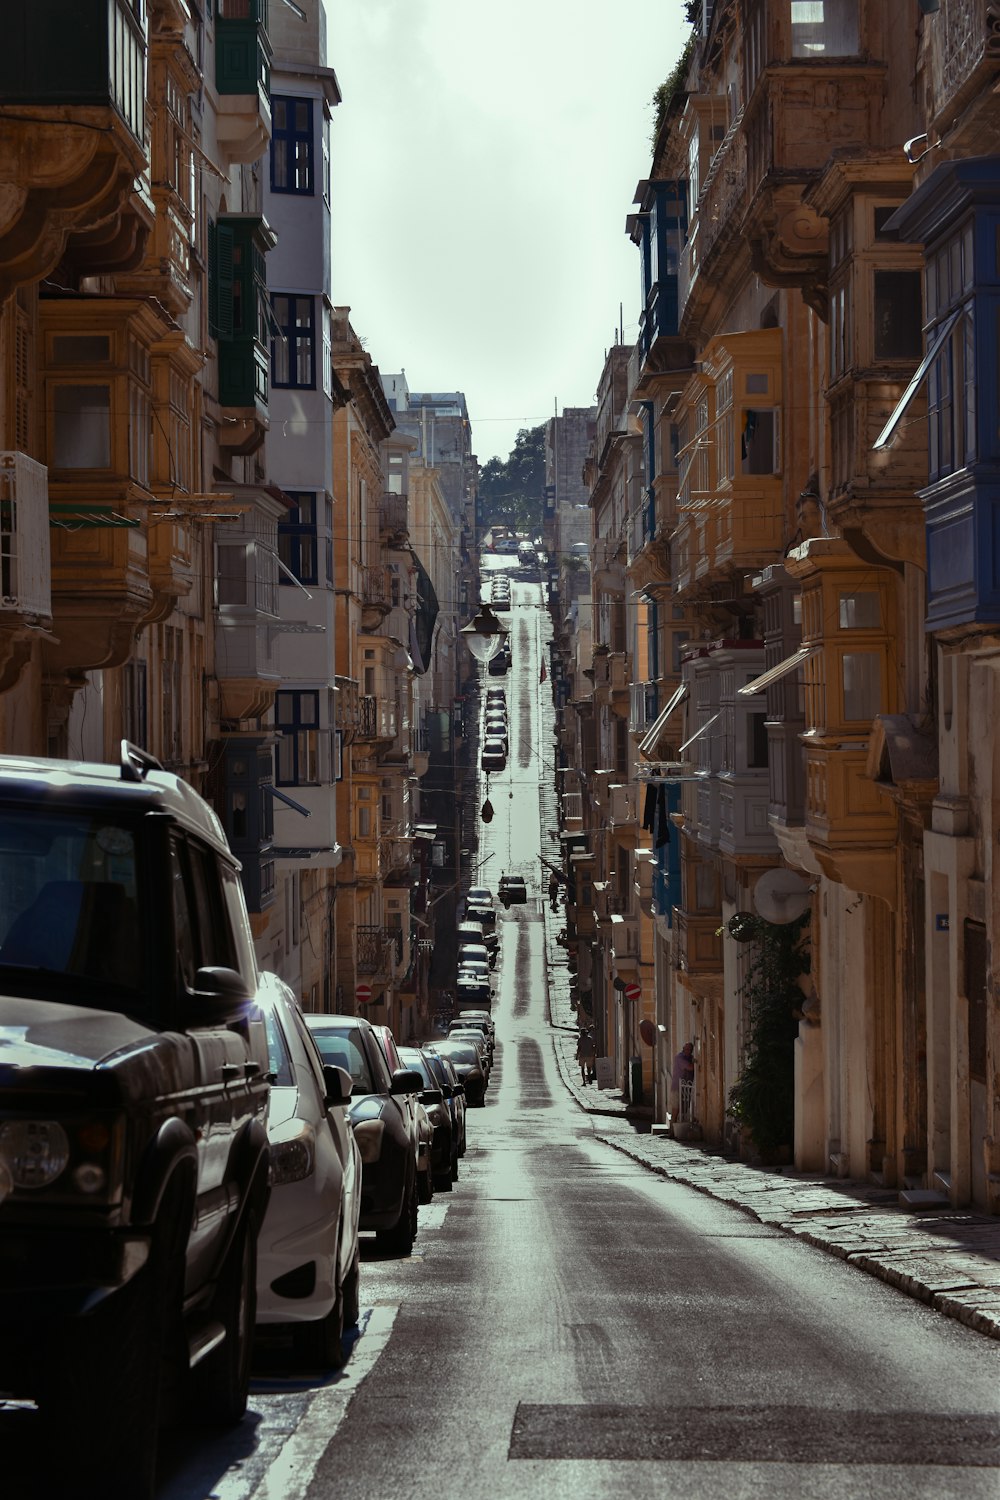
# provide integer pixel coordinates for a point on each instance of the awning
(422, 622)
(781, 670)
(698, 733)
(650, 740)
(888, 432)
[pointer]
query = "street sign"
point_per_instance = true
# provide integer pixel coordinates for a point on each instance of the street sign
(362, 993)
(633, 991)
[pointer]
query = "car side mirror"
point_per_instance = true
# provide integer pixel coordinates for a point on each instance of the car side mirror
(432, 1096)
(406, 1081)
(458, 1092)
(339, 1085)
(218, 995)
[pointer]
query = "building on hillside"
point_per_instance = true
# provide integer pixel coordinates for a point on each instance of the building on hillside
(305, 390)
(812, 761)
(143, 530)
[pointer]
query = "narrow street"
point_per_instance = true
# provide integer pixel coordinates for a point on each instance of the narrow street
(571, 1323)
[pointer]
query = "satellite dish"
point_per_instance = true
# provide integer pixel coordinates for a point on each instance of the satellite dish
(781, 896)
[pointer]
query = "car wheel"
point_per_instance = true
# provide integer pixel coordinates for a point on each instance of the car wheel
(352, 1292)
(454, 1166)
(107, 1379)
(320, 1345)
(402, 1234)
(221, 1383)
(425, 1186)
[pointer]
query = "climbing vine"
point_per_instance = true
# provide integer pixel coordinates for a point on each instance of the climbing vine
(763, 1097)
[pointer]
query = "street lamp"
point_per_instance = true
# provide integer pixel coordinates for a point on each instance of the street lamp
(484, 634)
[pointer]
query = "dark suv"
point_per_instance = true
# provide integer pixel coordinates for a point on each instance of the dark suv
(133, 1096)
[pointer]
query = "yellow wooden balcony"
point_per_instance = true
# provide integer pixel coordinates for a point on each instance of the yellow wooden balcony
(699, 943)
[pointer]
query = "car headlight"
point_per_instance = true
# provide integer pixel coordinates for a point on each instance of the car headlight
(35, 1152)
(293, 1154)
(368, 1134)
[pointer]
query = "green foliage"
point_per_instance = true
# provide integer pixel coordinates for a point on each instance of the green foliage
(511, 491)
(763, 1099)
(672, 87)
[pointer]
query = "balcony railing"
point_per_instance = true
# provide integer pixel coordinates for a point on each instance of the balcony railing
(346, 709)
(376, 950)
(376, 719)
(25, 566)
(393, 516)
(375, 588)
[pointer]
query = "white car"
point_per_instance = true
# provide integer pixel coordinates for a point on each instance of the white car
(307, 1250)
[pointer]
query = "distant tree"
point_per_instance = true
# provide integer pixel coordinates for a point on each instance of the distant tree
(510, 490)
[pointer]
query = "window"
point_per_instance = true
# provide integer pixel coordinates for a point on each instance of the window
(861, 675)
(758, 441)
(232, 583)
(81, 427)
(824, 28)
(296, 715)
(756, 741)
(171, 654)
(293, 343)
(898, 330)
(860, 611)
(134, 702)
(297, 538)
(291, 145)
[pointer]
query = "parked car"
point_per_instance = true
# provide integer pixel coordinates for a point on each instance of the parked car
(425, 1131)
(454, 1093)
(472, 991)
(496, 697)
(384, 1127)
(444, 1146)
(464, 1057)
(500, 664)
(464, 1024)
(308, 1253)
(486, 917)
(495, 728)
(479, 895)
(471, 953)
(513, 891)
(473, 931)
(478, 1015)
(133, 1144)
(494, 756)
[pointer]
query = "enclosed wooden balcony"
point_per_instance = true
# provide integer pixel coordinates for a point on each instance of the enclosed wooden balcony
(698, 942)
(72, 127)
(243, 79)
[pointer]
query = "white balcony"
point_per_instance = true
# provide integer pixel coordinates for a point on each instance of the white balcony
(621, 804)
(25, 557)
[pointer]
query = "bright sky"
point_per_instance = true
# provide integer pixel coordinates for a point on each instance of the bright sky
(484, 159)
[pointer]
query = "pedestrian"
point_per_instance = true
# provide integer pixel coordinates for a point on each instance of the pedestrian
(586, 1053)
(554, 891)
(682, 1082)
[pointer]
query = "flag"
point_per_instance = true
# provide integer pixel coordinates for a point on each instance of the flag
(544, 673)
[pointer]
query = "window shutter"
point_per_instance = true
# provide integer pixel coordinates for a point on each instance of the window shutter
(220, 280)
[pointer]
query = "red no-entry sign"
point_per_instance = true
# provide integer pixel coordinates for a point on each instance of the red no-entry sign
(633, 991)
(362, 993)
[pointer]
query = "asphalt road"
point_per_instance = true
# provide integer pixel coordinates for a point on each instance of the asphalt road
(571, 1324)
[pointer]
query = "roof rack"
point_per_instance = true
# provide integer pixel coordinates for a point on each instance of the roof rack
(136, 762)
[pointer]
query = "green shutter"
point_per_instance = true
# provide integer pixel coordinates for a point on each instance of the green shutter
(224, 280)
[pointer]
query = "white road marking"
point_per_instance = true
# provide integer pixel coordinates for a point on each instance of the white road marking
(291, 1472)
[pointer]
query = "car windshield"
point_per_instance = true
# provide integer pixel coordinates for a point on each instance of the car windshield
(479, 895)
(466, 1052)
(344, 1049)
(69, 902)
(412, 1058)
